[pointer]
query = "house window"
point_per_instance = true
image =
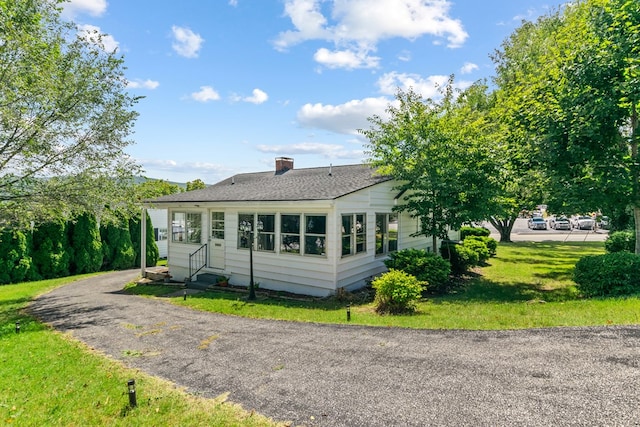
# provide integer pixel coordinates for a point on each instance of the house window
(315, 234)
(290, 234)
(354, 234)
(386, 233)
(186, 227)
(217, 225)
(266, 233)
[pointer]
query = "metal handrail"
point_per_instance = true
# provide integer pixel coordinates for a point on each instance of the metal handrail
(197, 261)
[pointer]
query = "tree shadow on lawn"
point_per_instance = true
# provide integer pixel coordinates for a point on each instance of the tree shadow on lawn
(481, 290)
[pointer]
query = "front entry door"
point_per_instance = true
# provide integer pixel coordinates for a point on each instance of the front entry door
(216, 241)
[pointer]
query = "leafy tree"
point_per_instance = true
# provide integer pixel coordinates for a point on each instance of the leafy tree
(65, 116)
(438, 153)
(154, 188)
(50, 252)
(575, 89)
(86, 244)
(196, 184)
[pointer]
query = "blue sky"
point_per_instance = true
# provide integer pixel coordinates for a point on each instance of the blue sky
(230, 85)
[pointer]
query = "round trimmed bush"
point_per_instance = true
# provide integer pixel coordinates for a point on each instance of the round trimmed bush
(396, 292)
(461, 257)
(478, 246)
(467, 231)
(426, 266)
(619, 241)
(612, 274)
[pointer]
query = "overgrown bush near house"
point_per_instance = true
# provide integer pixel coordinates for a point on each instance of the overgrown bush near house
(396, 292)
(490, 243)
(621, 241)
(467, 231)
(612, 274)
(461, 257)
(426, 266)
(478, 247)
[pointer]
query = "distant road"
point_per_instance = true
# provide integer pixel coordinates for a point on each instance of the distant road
(522, 233)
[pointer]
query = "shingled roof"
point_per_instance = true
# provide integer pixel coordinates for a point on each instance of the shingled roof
(325, 183)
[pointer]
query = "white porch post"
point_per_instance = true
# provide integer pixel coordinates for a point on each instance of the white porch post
(143, 242)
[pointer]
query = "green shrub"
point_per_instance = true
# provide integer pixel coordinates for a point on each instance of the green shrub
(51, 250)
(116, 245)
(621, 241)
(467, 231)
(612, 274)
(426, 266)
(86, 244)
(396, 292)
(15, 258)
(478, 246)
(490, 242)
(462, 258)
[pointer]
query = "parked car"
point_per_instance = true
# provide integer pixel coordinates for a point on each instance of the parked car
(584, 222)
(537, 223)
(605, 222)
(560, 223)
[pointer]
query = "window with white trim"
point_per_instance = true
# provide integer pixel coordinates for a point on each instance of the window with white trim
(354, 234)
(186, 227)
(315, 234)
(386, 233)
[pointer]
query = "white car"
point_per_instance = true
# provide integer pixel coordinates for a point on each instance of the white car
(584, 222)
(537, 223)
(560, 223)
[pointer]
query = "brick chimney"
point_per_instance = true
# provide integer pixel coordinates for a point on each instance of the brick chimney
(283, 164)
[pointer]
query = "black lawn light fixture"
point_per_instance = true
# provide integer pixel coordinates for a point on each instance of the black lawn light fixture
(18, 327)
(348, 312)
(246, 227)
(185, 294)
(131, 387)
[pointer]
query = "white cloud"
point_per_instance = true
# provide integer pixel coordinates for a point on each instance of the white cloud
(258, 97)
(331, 151)
(187, 43)
(358, 25)
(345, 59)
(233, 3)
(73, 8)
(345, 118)
(94, 35)
(143, 84)
(206, 94)
(468, 68)
(427, 87)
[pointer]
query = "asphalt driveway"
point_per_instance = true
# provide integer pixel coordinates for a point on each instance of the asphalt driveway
(345, 375)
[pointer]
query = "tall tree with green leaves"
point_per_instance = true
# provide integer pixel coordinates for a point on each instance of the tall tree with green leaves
(437, 152)
(65, 117)
(576, 92)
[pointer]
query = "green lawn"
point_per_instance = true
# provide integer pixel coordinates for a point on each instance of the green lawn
(527, 285)
(49, 379)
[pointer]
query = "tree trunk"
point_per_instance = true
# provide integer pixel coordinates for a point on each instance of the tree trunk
(504, 227)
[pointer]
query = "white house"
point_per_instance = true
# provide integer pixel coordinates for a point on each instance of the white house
(315, 230)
